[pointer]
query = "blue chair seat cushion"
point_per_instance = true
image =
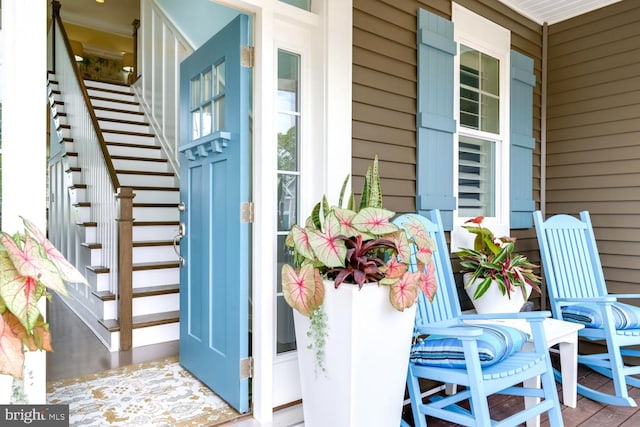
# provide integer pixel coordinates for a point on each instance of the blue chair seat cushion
(496, 343)
(590, 314)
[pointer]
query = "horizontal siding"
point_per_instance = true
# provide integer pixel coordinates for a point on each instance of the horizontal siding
(593, 139)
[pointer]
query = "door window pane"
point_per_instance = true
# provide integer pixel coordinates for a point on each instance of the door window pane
(288, 128)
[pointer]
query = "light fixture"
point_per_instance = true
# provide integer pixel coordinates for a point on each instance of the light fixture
(77, 49)
(127, 62)
(99, 1)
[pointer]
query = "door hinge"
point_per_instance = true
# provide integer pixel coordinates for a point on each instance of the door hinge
(246, 212)
(246, 56)
(246, 368)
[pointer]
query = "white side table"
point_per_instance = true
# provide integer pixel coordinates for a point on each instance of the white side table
(565, 334)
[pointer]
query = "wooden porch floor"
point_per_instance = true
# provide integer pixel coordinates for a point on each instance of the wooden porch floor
(586, 413)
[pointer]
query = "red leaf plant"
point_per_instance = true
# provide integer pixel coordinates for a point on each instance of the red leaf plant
(29, 264)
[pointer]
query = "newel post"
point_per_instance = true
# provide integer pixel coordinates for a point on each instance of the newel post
(125, 265)
(136, 26)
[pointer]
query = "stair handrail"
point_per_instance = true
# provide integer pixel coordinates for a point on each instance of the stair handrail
(85, 94)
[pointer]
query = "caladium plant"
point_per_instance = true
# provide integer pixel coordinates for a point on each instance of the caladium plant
(29, 264)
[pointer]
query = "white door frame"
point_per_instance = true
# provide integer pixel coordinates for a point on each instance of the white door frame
(329, 26)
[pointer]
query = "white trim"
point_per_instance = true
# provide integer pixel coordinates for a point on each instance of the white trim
(479, 33)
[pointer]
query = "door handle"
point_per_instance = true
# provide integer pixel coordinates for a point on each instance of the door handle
(176, 242)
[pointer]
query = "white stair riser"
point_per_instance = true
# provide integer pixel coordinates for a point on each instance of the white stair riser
(82, 214)
(119, 115)
(77, 195)
(98, 282)
(74, 177)
(68, 146)
(59, 120)
(154, 254)
(156, 334)
(149, 233)
(149, 153)
(114, 104)
(156, 214)
(145, 305)
(71, 161)
(107, 86)
(93, 256)
(146, 180)
(161, 276)
(130, 139)
(140, 165)
(87, 234)
(110, 95)
(106, 125)
(156, 196)
(63, 133)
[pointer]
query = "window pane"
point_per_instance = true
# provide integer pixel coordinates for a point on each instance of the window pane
(479, 90)
(288, 81)
(476, 177)
(195, 124)
(287, 142)
(206, 119)
(302, 4)
(287, 201)
(195, 93)
(206, 85)
(285, 336)
(220, 79)
(219, 117)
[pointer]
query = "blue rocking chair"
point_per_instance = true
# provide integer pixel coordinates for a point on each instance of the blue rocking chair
(486, 359)
(578, 292)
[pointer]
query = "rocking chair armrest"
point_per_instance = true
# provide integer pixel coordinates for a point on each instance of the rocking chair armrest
(625, 296)
(526, 315)
(462, 332)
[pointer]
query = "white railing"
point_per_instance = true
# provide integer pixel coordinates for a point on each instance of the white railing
(95, 173)
(161, 48)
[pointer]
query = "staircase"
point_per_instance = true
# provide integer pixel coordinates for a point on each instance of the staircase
(140, 163)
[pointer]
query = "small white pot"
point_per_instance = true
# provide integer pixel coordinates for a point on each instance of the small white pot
(493, 301)
(366, 359)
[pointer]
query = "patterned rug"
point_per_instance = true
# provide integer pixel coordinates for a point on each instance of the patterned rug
(159, 393)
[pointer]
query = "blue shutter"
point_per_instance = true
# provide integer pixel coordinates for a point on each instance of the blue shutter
(435, 123)
(522, 142)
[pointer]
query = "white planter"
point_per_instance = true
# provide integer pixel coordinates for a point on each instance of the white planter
(6, 389)
(366, 359)
(493, 301)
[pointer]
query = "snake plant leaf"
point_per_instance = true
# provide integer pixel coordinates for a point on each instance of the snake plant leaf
(67, 270)
(329, 247)
(301, 242)
(343, 190)
(429, 282)
(30, 261)
(404, 292)
(374, 221)
(299, 288)
(12, 361)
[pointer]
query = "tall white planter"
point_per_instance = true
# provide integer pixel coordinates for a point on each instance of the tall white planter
(493, 301)
(366, 358)
(6, 389)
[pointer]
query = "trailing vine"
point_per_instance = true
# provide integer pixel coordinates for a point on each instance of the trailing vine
(318, 334)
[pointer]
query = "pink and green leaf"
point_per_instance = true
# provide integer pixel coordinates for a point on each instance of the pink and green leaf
(418, 233)
(301, 242)
(328, 247)
(30, 261)
(428, 282)
(424, 255)
(345, 219)
(375, 221)
(404, 292)
(67, 270)
(11, 354)
(299, 288)
(394, 269)
(399, 238)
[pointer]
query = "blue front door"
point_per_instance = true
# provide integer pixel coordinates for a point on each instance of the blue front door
(214, 186)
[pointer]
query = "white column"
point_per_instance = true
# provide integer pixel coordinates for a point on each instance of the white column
(24, 136)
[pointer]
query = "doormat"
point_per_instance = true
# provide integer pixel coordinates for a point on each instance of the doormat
(159, 393)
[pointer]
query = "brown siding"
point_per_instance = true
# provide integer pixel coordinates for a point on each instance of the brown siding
(593, 138)
(384, 92)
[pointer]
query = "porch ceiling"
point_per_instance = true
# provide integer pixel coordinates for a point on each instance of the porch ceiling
(553, 11)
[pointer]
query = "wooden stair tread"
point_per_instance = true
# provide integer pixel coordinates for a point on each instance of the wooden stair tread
(136, 172)
(98, 269)
(144, 321)
(142, 187)
(91, 245)
(77, 186)
(102, 98)
(148, 291)
(121, 121)
(132, 145)
(82, 204)
(118, 110)
(90, 80)
(113, 91)
(127, 132)
(155, 265)
(141, 159)
(155, 205)
(154, 223)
